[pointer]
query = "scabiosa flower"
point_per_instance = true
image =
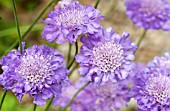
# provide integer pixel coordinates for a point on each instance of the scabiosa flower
(39, 72)
(113, 96)
(161, 62)
(152, 90)
(66, 24)
(85, 100)
(149, 14)
(106, 57)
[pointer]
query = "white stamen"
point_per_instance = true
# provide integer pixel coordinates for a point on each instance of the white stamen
(158, 87)
(108, 56)
(34, 68)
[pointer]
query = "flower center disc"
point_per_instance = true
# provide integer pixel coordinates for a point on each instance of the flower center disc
(158, 87)
(108, 56)
(71, 17)
(34, 68)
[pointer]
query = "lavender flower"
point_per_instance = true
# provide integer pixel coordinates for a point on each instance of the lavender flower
(149, 14)
(85, 100)
(152, 90)
(39, 72)
(71, 21)
(113, 96)
(106, 57)
(159, 62)
(106, 97)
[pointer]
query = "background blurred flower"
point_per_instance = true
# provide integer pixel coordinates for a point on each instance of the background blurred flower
(149, 14)
(85, 100)
(39, 72)
(66, 24)
(106, 57)
(113, 96)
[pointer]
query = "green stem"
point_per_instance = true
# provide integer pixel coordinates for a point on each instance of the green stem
(97, 3)
(11, 31)
(20, 43)
(71, 72)
(31, 26)
(69, 53)
(76, 45)
(35, 106)
(68, 104)
(2, 100)
(141, 38)
(111, 8)
(48, 105)
(17, 24)
(37, 18)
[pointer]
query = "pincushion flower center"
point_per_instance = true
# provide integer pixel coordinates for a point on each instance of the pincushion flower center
(108, 56)
(71, 17)
(158, 87)
(151, 6)
(34, 68)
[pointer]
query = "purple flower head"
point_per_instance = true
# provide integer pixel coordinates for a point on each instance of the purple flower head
(159, 62)
(39, 72)
(66, 24)
(152, 89)
(85, 100)
(113, 96)
(106, 57)
(149, 14)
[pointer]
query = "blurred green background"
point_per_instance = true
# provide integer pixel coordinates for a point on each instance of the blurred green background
(155, 43)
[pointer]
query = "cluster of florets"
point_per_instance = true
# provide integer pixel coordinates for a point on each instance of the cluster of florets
(68, 23)
(105, 60)
(105, 97)
(149, 14)
(106, 56)
(39, 72)
(151, 86)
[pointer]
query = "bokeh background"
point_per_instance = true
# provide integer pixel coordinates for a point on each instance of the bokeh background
(156, 42)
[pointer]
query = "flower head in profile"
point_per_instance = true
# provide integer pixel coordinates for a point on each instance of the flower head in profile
(106, 57)
(66, 24)
(159, 62)
(39, 72)
(149, 14)
(152, 89)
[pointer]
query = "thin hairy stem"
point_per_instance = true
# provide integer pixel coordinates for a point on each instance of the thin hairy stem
(49, 104)
(20, 45)
(97, 3)
(141, 38)
(17, 24)
(71, 72)
(3, 98)
(69, 53)
(69, 66)
(111, 8)
(75, 95)
(35, 106)
(31, 26)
